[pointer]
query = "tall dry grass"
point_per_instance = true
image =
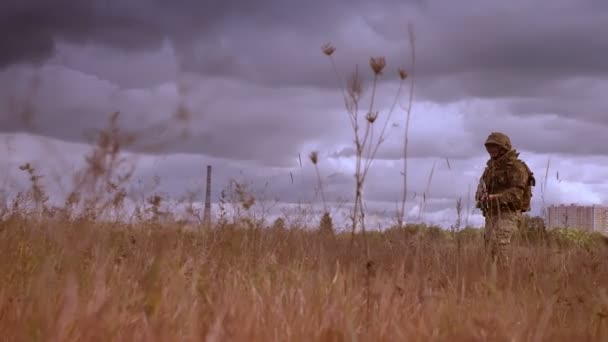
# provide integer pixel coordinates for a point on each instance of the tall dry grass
(85, 280)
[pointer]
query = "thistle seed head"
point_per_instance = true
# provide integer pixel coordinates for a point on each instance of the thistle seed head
(328, 49)
(371, 117)
(377, 64)
(314, 157)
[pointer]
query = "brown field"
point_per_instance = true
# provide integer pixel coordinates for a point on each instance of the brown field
(80, 280)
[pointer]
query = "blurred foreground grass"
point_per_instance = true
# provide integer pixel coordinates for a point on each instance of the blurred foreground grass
(83, 280)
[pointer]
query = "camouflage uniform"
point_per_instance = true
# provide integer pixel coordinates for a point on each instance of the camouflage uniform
(507, 177)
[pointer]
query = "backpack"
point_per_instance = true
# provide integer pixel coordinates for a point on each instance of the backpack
(527, 198)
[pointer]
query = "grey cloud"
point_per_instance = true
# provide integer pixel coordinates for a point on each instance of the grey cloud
(145, 24)
(553, 38)
(458, 132)
(229, 119)
(125, 68)
(442, 139)
(534, 60)
(71, 105)
(513, 44)
(264, 124)
(548, 134)
(575, 98)
(127, 25)
(445, 181)
(527, 68)
(517, 55)
(587, 170)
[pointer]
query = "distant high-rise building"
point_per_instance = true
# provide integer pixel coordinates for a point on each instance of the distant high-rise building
(590, 218)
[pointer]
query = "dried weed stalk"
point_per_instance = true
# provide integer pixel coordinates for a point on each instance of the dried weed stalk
(543, 191)
(408, 111)
(365, 145)
(326, 223)
(36, 194)
(314, 159)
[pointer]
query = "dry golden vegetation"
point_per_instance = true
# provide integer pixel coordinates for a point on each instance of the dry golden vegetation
(80, 280)
(90, 271)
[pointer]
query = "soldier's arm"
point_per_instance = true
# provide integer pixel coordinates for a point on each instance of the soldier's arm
(479, 193)
(518, 179)
(479, 190)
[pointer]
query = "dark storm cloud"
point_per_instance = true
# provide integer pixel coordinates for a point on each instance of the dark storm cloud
(536, 59)
(493, 50)
(524, 58)
(30, 28)
(229, 119)
(544, 134)
(64, 103)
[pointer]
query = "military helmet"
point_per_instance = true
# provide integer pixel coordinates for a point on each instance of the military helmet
(499, 139)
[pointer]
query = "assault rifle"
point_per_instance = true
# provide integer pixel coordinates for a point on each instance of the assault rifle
(483, 195)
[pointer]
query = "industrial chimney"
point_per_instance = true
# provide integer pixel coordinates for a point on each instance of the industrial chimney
(207, 211)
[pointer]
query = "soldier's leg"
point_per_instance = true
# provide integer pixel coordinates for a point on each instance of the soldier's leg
(507, 224)
(490, 237)
(490, 243)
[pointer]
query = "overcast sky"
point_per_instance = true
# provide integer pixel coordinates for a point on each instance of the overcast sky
(259, 92)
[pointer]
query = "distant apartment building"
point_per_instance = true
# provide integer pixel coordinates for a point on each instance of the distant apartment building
(590, 218)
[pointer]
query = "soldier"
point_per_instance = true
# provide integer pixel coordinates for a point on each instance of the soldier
(503, 194)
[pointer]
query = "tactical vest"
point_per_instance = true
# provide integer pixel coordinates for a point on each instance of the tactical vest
(496, 179)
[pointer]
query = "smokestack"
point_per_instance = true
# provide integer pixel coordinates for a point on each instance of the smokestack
(207, 211)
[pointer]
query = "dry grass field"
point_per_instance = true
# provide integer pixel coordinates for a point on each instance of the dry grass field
(82, 280)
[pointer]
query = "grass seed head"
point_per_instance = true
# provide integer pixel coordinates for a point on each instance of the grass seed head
(377, 64)
(328, 49)
(314, 157)
(371, 117)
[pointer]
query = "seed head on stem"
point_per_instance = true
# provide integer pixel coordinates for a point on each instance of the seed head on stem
(328, 49)
(371, 117)
(377, 64)
(314, 157)
(402, 73)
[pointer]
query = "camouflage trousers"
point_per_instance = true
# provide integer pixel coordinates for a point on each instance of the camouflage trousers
(499, 228)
